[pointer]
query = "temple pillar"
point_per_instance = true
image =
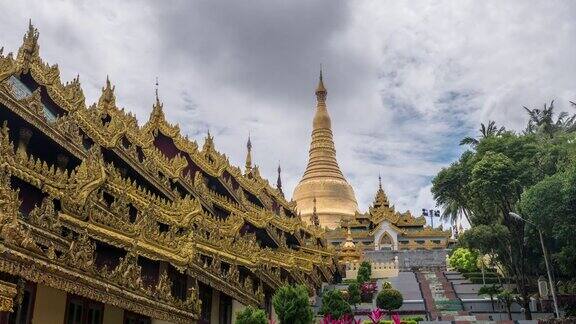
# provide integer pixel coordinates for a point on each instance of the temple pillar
(49, 305)
(24, 135)
(215, 308)
(236, 308)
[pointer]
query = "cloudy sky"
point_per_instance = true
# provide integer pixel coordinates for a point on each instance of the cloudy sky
(406, 79)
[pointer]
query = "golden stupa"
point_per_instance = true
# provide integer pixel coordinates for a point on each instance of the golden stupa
(323, 185)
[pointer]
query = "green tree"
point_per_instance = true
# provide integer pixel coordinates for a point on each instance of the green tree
(292, 306)
(364, 272)
(354, 292)
(450, 189)
(490, 291)
(389, 299)
(333, 303)
(251, 315)
(464, 260)
(551, 205)
(507, 297)
(505, 172)
(485, 131)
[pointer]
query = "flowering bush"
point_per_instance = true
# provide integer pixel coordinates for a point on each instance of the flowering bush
(346, 319)
(368, 289)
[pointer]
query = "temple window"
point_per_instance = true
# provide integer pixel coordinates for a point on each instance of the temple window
(163, 228)
(81, 310)
(133, 213)
(29, 195)
(108, 255)
(150, 271)
(420, 241)
(179, 283)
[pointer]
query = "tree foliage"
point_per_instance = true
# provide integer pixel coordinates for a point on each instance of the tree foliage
(490, 291)
(364, 272)
(251, 315)
(354, 292)
(334, 304)
(292, 306)
(389, 299)
(464, 260)
(531, 173)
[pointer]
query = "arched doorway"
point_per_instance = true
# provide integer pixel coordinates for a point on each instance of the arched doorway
(386, 242)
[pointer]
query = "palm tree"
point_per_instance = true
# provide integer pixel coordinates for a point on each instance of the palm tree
(485, 131)
(543, 120)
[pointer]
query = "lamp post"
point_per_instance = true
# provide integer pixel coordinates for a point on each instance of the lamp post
(431, 213)
(518, 217)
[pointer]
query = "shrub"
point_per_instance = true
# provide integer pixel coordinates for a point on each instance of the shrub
(389, 299)
(251, 315)
(464, 260)
(292, 306)
(364, 272)
(354, 294)
(333, 304)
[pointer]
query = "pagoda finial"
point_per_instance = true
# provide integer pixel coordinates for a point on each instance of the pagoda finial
(321, 91)
(156, 89)
(379, 182)
(249, 155)
(157, 108)
(279, 180)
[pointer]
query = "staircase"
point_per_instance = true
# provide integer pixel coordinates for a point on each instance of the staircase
(440, 298)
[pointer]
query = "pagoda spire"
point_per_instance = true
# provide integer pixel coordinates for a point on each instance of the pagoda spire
(322, 179)
(322, 154)
(279, 181)
(248, 155)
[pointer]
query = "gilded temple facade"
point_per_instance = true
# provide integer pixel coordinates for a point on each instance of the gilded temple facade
(383, 228)
(106, 221)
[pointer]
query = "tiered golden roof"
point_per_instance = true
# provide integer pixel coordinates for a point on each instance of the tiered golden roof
(323, 179)
(184, 205)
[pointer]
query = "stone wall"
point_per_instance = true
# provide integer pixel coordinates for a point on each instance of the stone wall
(409, 259)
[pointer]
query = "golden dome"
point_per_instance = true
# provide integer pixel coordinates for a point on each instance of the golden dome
(323, 179)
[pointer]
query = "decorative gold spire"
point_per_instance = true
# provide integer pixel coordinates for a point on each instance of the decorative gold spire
(279, 181)
(248, 155)
(29, 50)
(321, 91)
(107, 99)
(323, 179)
(381, 200)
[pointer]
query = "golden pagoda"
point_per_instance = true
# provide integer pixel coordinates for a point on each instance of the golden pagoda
(323, 185)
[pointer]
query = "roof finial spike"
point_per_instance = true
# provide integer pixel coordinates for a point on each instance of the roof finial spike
(156, 89)
(248, 155)
(320, 89)
(379, 181)
(279, 180)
